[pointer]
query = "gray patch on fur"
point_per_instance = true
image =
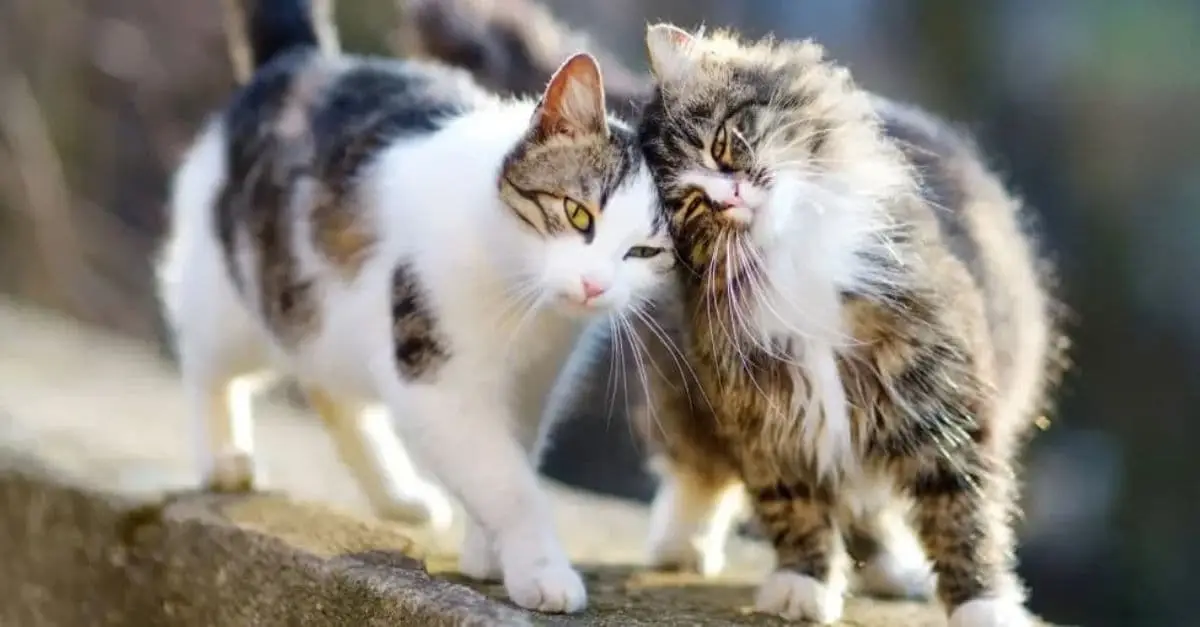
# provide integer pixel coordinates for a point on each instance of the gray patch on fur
(299, 136)
(419, 348)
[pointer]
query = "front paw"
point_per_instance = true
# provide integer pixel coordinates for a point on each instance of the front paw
(549, 586)
(991, 613)
(231, 472)
(794, 596)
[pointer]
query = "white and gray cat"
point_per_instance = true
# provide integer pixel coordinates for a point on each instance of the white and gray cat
(420, 255)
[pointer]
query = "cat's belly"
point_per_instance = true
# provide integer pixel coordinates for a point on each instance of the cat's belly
(336, 375)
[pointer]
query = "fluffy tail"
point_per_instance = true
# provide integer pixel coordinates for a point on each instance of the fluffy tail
(258, 31)
(511, 46)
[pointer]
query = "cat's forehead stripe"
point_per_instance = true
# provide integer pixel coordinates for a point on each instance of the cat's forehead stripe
(591, 169)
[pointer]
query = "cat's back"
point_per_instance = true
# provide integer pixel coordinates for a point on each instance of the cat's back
(339, 112)
(988, 230)
(293, 215)
(302, 138)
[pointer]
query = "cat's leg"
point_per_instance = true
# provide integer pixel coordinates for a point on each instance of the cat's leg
(219, 408)
(479, 558)
(809, 581)
(221, 354)
(699, 493)
(963, 511)
(892, 561)
(466, 435)
(691, 517)
(371, 449)
(216, 357)
(552, 389)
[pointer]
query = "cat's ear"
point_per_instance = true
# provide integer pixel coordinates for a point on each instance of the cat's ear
(574, 100)
(670, 50)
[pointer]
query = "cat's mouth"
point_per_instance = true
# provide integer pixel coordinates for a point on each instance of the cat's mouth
(581, 307)
(738, 213)
(737, 200)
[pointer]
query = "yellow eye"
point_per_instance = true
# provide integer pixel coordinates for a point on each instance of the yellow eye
(644, 252)
(720, 146)
(578, 216)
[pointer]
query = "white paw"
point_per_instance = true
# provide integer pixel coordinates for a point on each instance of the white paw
(991, 613)
(231, 471)
(683, 554)
(893, 575)
(799, 597)
(423, 505)
(478, 560)
(550, 586)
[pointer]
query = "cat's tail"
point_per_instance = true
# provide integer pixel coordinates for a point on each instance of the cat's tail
(511, 46)
(258, 31)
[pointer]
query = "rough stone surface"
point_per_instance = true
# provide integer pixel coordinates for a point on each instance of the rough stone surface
(98, 527)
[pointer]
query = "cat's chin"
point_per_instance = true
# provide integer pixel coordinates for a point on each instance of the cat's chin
(738, 217)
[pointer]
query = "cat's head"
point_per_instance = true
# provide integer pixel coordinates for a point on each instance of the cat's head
(578, 186)
(752, 142)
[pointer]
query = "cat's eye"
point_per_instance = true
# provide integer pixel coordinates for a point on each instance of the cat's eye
(578, 216)
(644, 252)
(720, 146)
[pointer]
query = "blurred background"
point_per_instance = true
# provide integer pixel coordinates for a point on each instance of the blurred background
(1091, 109)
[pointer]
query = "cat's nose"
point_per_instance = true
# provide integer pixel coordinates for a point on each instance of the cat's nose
(734, 198)
(592, 288)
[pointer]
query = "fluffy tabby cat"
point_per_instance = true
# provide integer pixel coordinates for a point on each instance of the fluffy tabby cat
(392, 235)
(867, 327)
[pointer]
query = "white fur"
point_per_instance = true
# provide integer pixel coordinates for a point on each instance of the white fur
(794, 596)
(477, 558)
(477, 424)
(991, 613)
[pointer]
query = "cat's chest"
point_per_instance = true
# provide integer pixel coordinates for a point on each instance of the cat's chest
(783, 404)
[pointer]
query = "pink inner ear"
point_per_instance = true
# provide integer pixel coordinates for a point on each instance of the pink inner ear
(680, 38)
(551, 123)
(581, 71)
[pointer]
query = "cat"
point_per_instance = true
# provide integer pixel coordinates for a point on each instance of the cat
(868, 323)
(510, 44)
(394, 237)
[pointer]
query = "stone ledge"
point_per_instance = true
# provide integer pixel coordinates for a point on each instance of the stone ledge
(79, 557)
(95, 531)
(75, 556)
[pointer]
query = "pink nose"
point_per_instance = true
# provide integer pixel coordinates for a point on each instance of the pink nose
(736, 200)
(592, 289)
